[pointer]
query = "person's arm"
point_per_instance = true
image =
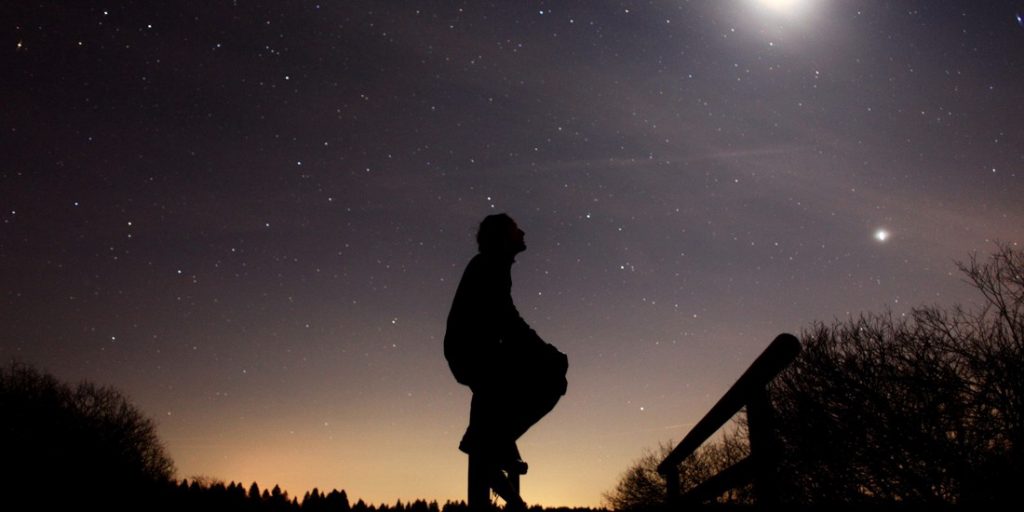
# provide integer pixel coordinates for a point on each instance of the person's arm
(514, 329)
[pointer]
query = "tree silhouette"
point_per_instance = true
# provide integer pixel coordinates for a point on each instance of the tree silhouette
(641, 487)
(89, 442)
(923, 409)
(360, 506)
(336, 501)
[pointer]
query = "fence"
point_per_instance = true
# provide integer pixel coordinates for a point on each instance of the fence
(760, 466)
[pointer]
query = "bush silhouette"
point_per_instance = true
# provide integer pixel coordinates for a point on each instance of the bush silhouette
(641, 487)
(923, 409)
(65, 445)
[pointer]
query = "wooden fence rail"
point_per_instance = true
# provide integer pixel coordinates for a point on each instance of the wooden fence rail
(760, 466)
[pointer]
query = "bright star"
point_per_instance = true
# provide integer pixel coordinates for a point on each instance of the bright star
(881, 235)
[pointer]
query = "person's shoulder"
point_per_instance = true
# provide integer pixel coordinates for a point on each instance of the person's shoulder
(483, 261)
(477, 266)
(487, 267)
(476, 262)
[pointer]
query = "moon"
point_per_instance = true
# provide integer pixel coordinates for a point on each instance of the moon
(780, 5)
(792, 10)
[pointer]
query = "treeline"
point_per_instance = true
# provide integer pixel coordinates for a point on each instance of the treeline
(196, 495)
(217, 496)
(77, 447)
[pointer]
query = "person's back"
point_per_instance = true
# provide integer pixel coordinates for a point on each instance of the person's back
(484, 327)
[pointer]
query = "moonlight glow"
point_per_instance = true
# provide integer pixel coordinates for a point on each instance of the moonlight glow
(781, 5)
(882, 235)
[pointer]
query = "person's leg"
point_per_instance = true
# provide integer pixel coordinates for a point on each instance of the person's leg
(538, 389)
(487, 425)
(526, 409)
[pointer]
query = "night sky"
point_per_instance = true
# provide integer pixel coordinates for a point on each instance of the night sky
(251, 217)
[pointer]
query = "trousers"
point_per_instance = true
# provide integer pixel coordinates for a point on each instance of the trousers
(500, 414)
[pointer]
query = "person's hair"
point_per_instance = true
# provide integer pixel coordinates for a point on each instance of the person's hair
(493, 231)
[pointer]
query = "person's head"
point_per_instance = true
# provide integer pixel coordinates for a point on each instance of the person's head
(499, 234)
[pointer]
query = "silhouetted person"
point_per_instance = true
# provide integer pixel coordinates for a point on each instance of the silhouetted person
(516, 377)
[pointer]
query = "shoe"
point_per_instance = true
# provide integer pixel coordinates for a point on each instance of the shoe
(515, 467)
(511, 462)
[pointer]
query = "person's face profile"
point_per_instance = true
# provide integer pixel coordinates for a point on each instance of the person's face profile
(516, 238)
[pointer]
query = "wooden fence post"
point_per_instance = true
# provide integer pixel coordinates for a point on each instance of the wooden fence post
(672, 486)
(479, 485)
(764, 449)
